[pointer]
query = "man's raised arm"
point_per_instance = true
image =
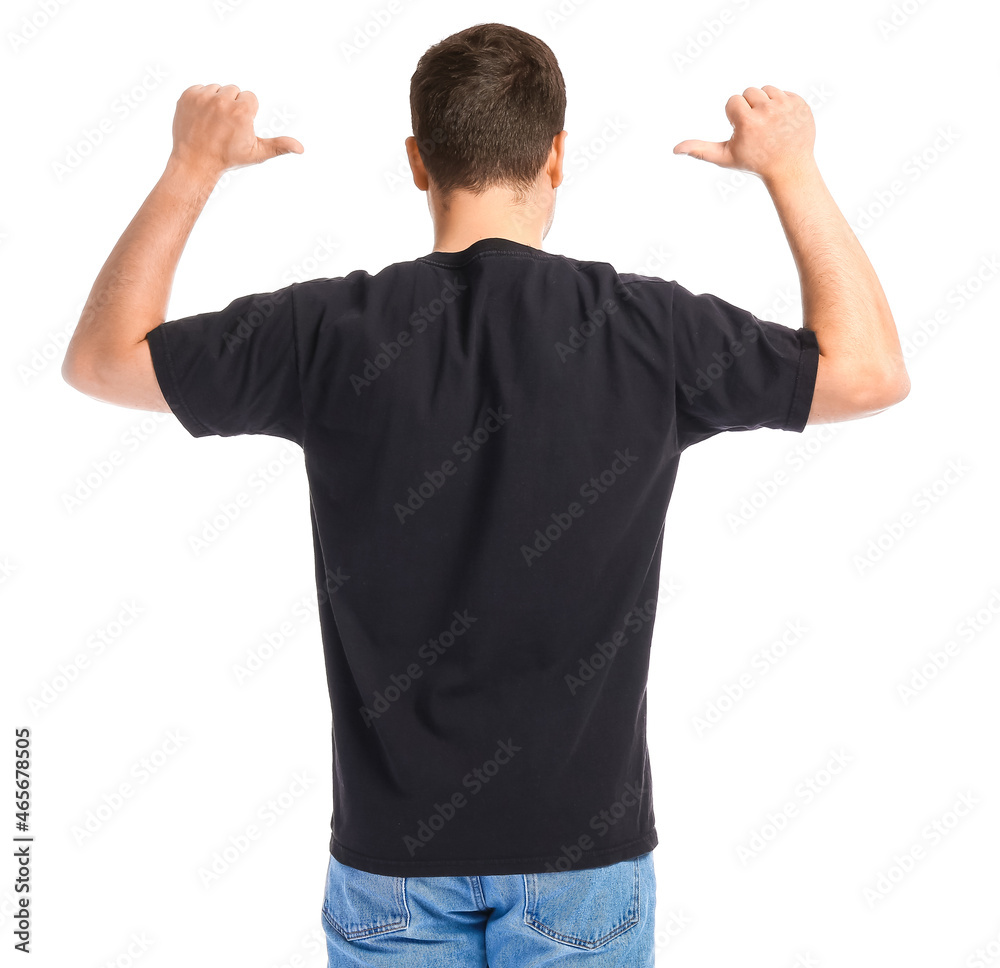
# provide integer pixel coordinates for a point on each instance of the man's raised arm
(108, 357)
(861, 369)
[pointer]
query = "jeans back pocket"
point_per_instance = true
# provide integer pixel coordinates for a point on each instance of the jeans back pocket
(359, 904)
(585, 908)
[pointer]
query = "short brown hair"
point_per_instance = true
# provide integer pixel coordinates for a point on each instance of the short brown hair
(485, 104)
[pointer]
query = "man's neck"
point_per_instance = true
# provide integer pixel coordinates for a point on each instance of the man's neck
(491, 215)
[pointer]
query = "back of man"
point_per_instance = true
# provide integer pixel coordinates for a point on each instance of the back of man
(491, 435)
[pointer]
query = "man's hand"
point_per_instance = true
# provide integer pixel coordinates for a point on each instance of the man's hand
(773, 134)
(213, 131)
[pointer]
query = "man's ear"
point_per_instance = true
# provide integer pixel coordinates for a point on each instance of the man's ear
(416, 163)
(556, 157)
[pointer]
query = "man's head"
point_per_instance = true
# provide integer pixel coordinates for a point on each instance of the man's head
(487, 106)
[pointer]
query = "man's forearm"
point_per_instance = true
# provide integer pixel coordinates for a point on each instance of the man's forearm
(130, 295)
(842, 298)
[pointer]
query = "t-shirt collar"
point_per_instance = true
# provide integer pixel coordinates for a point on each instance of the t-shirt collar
(482, 245)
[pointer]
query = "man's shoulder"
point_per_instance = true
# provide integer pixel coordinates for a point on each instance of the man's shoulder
(358, 283)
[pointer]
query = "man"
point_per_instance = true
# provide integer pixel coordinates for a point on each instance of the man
(491, 435)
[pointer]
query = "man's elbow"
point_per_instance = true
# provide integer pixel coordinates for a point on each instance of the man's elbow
(885, 390)
(67, 371)
(77, 372)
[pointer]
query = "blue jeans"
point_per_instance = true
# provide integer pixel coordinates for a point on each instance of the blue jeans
(600, 917)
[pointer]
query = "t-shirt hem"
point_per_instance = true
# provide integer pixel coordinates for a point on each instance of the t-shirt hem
(805, 382)
(163, 368)
(506, 865)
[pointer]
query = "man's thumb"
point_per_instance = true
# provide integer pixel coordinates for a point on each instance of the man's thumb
(712, 151)
(272, 147)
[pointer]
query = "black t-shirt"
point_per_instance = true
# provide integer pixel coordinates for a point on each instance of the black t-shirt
(491, 439)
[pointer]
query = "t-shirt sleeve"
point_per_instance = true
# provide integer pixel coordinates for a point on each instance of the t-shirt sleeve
(734, 371)
(234, 371)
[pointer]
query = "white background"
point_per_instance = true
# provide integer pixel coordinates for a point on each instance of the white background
(881, 97)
